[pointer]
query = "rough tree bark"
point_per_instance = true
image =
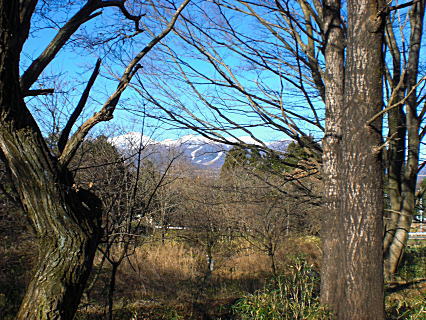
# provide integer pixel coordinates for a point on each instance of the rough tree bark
(334, 49)
(352, 279)
(362, 169)
(66, 220)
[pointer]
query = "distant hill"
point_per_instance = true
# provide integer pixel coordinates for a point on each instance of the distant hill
(196, 150)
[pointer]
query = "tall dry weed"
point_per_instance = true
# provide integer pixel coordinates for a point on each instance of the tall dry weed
(160, 270)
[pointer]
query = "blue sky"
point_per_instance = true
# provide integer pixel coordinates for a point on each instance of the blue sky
(74, 66)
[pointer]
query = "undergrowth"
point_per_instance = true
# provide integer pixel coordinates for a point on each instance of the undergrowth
(407, 299)
(292, 296)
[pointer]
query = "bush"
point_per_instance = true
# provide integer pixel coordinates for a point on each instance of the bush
(293, 296)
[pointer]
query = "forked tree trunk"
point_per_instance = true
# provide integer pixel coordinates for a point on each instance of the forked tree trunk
(401, 215)
(352, 281)
(65, 219)
(67, 226)
(397, 144)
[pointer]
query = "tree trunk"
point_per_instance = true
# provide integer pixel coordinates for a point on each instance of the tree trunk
(331, 291)
(396, 239)
(67, 226)
(271, 255)
(397, 144)
(361, 166)
(66, 220)
(65, 261)
(352, 278)
(111, 288)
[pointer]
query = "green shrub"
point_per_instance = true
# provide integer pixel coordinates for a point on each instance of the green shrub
(289, 297)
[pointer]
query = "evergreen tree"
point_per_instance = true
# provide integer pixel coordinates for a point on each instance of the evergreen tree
(258, 160)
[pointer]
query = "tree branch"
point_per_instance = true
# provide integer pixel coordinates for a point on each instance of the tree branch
(38, 65)
(106, 113)
(86, 13)
(401, 102)
(126, 13)
(26, 10)
(39, 92)
(387, 9)
(79, 108)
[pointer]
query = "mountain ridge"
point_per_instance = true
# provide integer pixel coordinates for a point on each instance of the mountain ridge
(201, 152)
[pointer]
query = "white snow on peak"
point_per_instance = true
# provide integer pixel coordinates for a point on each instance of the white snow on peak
(219, 155)
(132, 139)
(191, 141)
(197, 149)
(246, 139)
(169, 142)
(194, 153)
(194, 139)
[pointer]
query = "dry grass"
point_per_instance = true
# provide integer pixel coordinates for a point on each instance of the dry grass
(248, 263)
(159, 270)
(169, 281)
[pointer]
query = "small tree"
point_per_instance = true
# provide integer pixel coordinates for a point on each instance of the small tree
(206, 223)
(267, 209)
(129, 191)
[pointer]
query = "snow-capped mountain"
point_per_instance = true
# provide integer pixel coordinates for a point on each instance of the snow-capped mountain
(197, 150)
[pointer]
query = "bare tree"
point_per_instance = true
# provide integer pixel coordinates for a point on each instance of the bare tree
(267, 217)
(328, 54)
(66, 219)
(202, 217)
(406, 129)
(129, 192)
(281, 62)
